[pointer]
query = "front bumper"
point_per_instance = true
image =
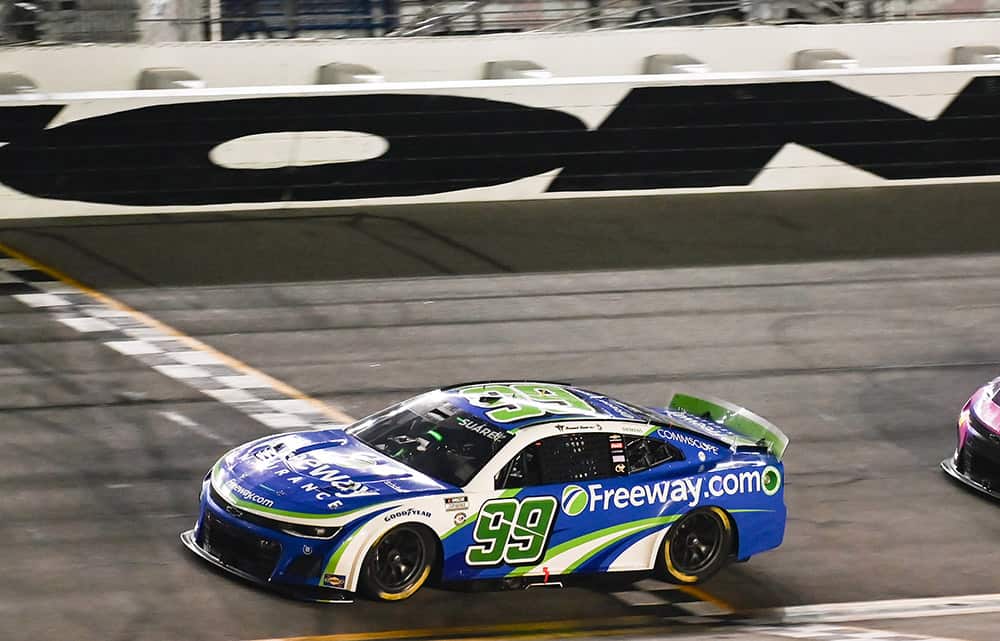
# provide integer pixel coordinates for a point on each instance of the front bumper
(948, 465)
(976, 462)
(286, 564)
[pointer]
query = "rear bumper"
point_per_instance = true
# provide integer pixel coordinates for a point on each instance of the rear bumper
(322, 595)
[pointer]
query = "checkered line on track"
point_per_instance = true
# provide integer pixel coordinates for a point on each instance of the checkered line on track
(820, 632)
(128, 334)
(671, 602)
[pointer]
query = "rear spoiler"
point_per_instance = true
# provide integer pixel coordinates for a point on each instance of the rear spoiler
(734, 418)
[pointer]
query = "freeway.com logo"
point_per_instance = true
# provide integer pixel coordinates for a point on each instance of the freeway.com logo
(576, 499)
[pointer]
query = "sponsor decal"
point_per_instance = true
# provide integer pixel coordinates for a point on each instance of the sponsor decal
(393, 486)
(408, 512)
(686, 439)
(511, 403)
(688, 491)
(633, 429)
(481, 428)
(309, 475)
(314, 468)
(578, 427)
(247, 495)
(460, 518)
(334, 580)
(454, 503)
(770, 480)
(265, 453)
(464, 136)
(574, 500)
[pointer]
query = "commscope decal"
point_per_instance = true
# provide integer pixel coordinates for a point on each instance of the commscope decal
(689, 491)
(679, 437)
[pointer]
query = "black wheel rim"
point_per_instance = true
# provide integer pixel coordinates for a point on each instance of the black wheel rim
(400, 558)
(696, 543)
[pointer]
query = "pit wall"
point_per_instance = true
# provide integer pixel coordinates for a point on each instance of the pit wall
(218, 149)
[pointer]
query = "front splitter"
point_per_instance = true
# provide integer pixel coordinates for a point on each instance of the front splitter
(334, 596)
(948, 465)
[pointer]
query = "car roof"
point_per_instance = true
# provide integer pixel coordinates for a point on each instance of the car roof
(512, 405)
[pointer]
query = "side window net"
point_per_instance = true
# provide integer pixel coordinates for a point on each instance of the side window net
(643, 453)
(559, 459)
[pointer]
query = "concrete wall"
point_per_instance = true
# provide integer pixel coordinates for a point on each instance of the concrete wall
(403, 143)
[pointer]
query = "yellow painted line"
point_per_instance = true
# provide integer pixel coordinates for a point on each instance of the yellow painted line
(701, 595)
(570, 626)
(328, 410)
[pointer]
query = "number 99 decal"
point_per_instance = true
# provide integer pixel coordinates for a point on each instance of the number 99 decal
(512, 532)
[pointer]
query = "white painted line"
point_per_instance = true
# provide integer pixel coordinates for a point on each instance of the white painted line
(106, 312)
(879, 610)
(837, 633)
(292, 405)
(133, 348)
(196, 427)
(232, 395)
(182, 371)
(42, 300)
(196, 358)
(148, 334)
(638, 598)
(86, 324)
(702, 608)
(280, 421)
(653, 585)
(55, 287)
(150, 342)
(246, 381)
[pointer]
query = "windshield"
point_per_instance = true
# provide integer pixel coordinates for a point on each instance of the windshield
(433, 437)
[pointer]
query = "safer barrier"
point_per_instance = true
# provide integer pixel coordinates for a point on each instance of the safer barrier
(212, 149)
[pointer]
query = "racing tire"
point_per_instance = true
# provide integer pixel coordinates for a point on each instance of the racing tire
(398, 563)
(697, 546)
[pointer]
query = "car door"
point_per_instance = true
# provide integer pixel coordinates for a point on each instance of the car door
(616, 494)
(524, 529)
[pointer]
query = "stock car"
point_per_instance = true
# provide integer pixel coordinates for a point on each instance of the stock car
(976, 460)
(520, 482)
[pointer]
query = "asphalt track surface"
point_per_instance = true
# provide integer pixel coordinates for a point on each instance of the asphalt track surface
(862, 343)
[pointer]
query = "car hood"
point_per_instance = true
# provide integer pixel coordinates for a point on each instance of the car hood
(309, 475)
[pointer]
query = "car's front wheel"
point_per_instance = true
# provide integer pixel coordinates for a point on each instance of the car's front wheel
(697, 545)
(399, 563)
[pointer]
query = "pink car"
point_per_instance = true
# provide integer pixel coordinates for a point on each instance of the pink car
(976, 461)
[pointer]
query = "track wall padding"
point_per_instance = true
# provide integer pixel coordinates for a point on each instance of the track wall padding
(495, 140)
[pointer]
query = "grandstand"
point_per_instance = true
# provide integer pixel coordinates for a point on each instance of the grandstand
(152, 21)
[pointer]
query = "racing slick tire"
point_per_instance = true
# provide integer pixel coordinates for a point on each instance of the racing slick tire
(398, 563)
(697, 546)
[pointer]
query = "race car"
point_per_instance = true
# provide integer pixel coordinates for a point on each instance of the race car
(521, 482)
(976, 461)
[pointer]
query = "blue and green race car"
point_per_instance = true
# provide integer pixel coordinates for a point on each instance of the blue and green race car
(514, 481)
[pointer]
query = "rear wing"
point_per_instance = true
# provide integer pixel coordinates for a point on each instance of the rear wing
(736, 419)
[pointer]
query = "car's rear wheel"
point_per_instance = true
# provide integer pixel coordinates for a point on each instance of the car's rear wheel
(399, 563)
(697, 545)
